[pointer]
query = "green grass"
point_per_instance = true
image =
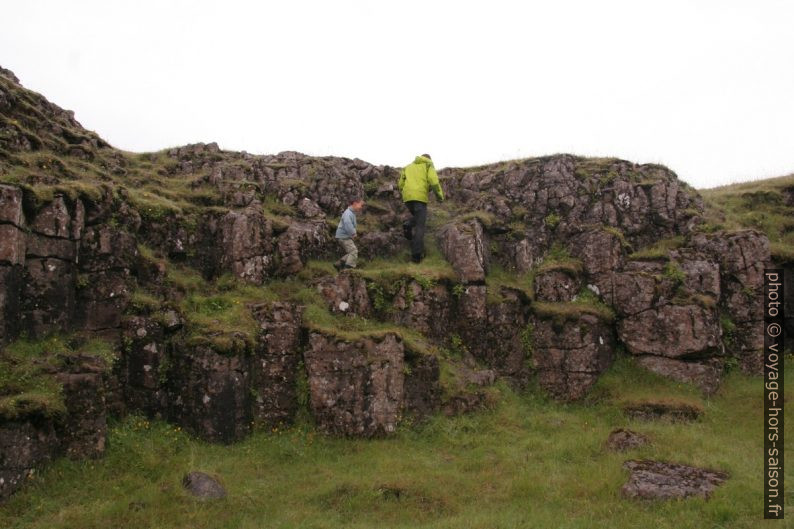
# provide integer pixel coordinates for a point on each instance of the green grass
(527, 462)
(619, 235)
(757, 204)
(551, 220)
(658, 250)
(218, 313)
(558, 258)
(26, 383)
(673, 271)
(352, 328)
(486, 219)
(278, 212)
(585, 302)
(571, 266)
(433, 268)
(152, 204)
(184, 278)
(499, 278)
(142, 301)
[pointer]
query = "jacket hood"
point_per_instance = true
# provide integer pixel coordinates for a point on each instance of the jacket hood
(422, 159)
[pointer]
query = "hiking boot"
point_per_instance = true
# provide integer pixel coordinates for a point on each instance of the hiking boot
(416, 258)
(408, 231)
(339, 265)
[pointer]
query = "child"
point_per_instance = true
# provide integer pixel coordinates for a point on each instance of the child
(346, 232)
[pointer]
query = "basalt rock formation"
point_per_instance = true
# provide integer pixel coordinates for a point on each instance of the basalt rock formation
(207, 274)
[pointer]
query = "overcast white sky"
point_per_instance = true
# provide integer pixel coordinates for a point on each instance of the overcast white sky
(704, 87)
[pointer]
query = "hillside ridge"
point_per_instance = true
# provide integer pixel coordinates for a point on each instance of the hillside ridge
(196, 285)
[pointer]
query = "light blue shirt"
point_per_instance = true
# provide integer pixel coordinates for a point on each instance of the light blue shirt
(347, 225)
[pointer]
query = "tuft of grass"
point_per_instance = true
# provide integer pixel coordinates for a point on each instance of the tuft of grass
(729, 334)
(782, 252)
(588, 167)
(315, 269)
(144, 302)
(222, 319)
(619, 234)
(672, 271)
(585, 302)
(153, 205)
(552, 220)
(573, 267)
(318, 318)
(432, 269)
(645, 386)
(486, 218)
(185, 279)
(275, 209)
(658, 250)
(499, 278)
(558, 258)
(27, 366)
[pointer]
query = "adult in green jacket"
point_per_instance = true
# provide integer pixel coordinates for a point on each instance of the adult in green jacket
(416, 180)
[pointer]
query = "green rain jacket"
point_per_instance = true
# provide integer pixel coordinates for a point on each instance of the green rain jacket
(417, 179)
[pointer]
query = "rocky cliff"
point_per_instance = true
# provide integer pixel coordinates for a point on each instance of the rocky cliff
(195, 284)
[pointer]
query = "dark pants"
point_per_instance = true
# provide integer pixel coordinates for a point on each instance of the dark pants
(417, 224)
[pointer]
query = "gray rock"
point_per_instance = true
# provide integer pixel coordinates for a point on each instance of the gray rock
(569, 356)
(464, 245)
(742, 256)
(356, 387)
(12, 245)
(421, 386)
(210, 390)
(24, 446)
(298, 242)
(426, 309)
(620, 440)
(172, 320)
(673, 331)
(274, 367)
(658, 480)
(203, 486)
(345, 293)
(309, 209)
(705, 374)
(245, 240)
(556, 285)
(649, 411)
(11, 205)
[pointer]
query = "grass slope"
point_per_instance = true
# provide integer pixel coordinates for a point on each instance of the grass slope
(528, 462)
(760, 204)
